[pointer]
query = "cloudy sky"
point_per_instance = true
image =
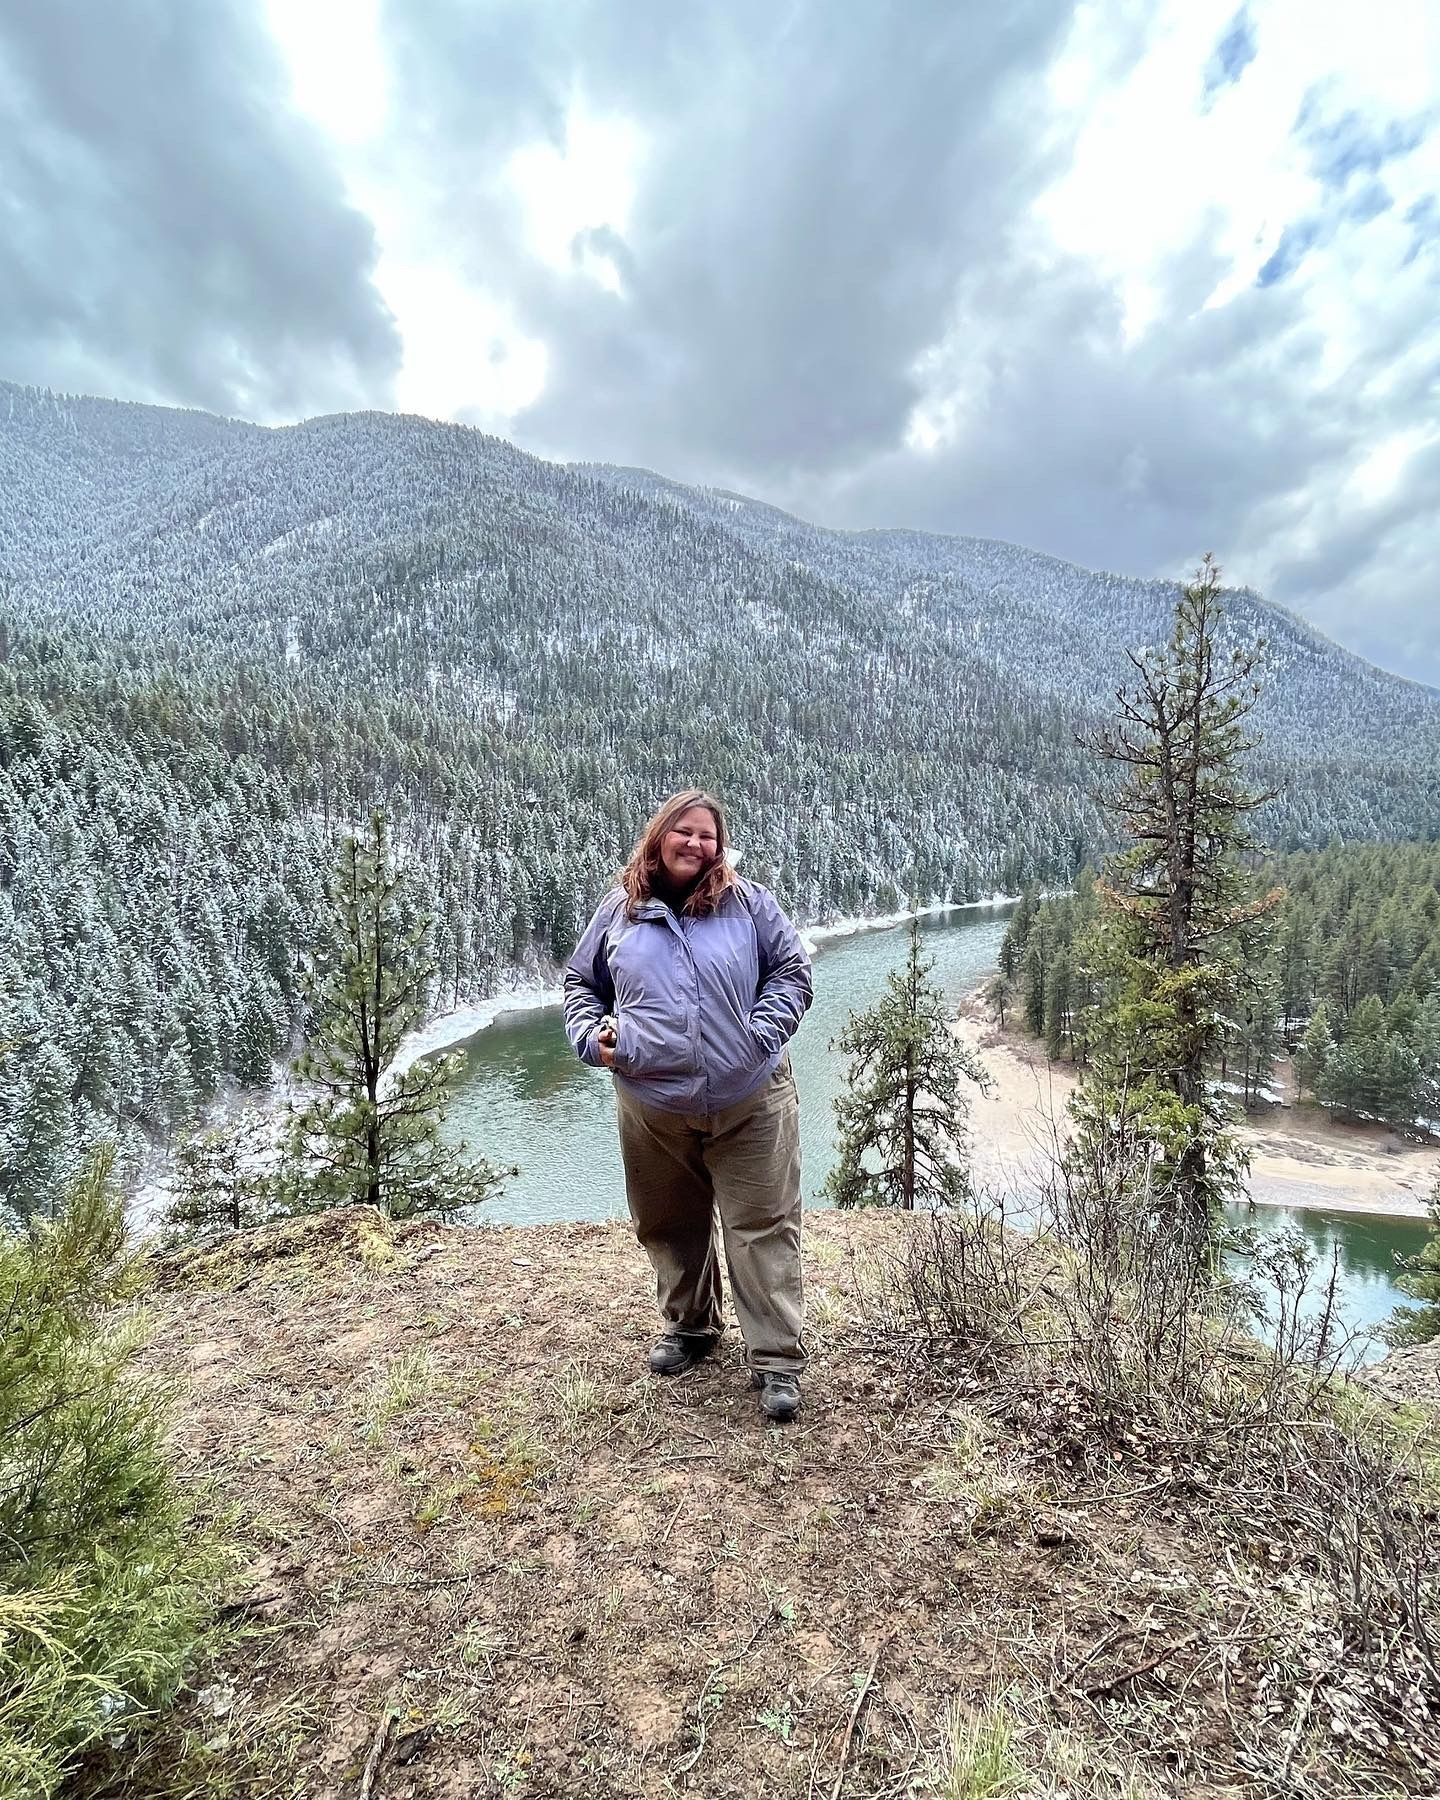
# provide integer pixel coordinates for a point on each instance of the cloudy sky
(1123, 281)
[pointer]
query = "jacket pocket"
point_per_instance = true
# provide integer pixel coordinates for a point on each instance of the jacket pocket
(643, 1046)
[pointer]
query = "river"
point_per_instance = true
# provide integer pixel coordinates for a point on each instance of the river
(523, 1098)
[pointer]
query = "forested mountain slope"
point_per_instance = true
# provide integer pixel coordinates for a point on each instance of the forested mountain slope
(219, 643)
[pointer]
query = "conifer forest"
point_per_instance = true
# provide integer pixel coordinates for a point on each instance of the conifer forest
(1346, 979)
(222, 645)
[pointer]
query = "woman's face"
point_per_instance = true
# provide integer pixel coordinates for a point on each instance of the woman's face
(690, 845)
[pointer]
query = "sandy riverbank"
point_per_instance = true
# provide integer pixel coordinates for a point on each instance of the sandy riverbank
(1299, 1155)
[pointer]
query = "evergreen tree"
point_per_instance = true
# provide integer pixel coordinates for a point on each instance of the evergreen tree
(257, 1037)
(106, 1576)
(177, 1090)
(1317, 1049)
(1057, 1003)
(231, 1177)
(1177, 918)
(1257, 1033)
(999, 995)
(1366, 1020)
(901, 1118)
(39, 1150)
(372, 1133)
(1425, 1040)
(1036, 970)
(1420, 1278)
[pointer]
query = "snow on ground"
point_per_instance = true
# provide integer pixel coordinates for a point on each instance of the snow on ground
(458, 1027)
(814, 935)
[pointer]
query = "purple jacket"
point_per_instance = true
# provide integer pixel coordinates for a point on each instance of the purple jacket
(704, 1007)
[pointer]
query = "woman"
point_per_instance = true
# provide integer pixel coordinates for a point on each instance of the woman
(688, 984)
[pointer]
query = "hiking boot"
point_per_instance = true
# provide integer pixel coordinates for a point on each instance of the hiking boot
(674, 1354)
(779, 1394)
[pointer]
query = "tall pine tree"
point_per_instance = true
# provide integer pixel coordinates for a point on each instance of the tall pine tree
(1420, 1278)
(1178, 922)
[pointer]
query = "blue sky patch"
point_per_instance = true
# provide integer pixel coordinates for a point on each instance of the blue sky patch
(1352, 144)
(1233, 54)
(1289, 253)
(1424, 220)
(1368, 203)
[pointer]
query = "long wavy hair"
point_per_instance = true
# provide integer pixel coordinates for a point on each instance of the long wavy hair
(638, 876)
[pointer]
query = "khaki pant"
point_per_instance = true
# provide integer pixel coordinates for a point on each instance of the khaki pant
(680, 1169)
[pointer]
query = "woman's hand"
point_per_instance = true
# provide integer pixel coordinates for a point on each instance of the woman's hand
(606, 1037)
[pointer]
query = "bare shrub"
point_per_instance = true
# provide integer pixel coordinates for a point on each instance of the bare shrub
(1142, 1373)
(961, 1284)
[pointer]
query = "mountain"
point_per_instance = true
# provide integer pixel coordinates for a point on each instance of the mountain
(221, 643)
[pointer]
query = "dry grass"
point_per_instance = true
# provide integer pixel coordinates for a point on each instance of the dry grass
(464, 1503)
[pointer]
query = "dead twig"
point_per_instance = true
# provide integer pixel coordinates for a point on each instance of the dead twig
(1302, 1716)
(1120, 1635)
(1097, 1690)
(864, 1689)
(377, 1750)
(665, 1534)
(684, 1768)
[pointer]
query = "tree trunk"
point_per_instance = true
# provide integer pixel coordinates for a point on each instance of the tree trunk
(908, 1176)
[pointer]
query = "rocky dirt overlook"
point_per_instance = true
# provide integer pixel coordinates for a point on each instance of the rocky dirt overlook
(485, 1554)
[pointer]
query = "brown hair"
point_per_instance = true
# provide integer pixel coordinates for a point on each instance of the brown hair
(638, 875)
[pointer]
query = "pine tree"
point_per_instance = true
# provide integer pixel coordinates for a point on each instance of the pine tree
(257, 1037)
(999, 994)
(176, 1097)
(371, 1136)
(1317, 1049)
(1420, 1278)
(1425, 1039)
(40, 1151)
(1178, 923)
(230, 1178)
(1258, 1031)
(902, 1117)
(106, 1575)
(1036, 970)
(1057, 1002)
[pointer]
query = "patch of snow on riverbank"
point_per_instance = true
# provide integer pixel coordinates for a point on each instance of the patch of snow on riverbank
(815, 935)
(450, 1029)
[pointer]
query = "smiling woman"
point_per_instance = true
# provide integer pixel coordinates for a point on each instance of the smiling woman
(688, 984)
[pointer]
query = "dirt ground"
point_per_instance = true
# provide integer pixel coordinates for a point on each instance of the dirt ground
(485, 1553)
(1299, 1155)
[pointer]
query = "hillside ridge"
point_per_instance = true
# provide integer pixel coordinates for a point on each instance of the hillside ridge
(638, 479)
(222, 645)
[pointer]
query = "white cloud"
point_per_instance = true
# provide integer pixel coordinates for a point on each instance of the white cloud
(585, 184)
(463, 352)
(1153, 166)
(1377, 476)
(1216, 323)
(335, 59)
